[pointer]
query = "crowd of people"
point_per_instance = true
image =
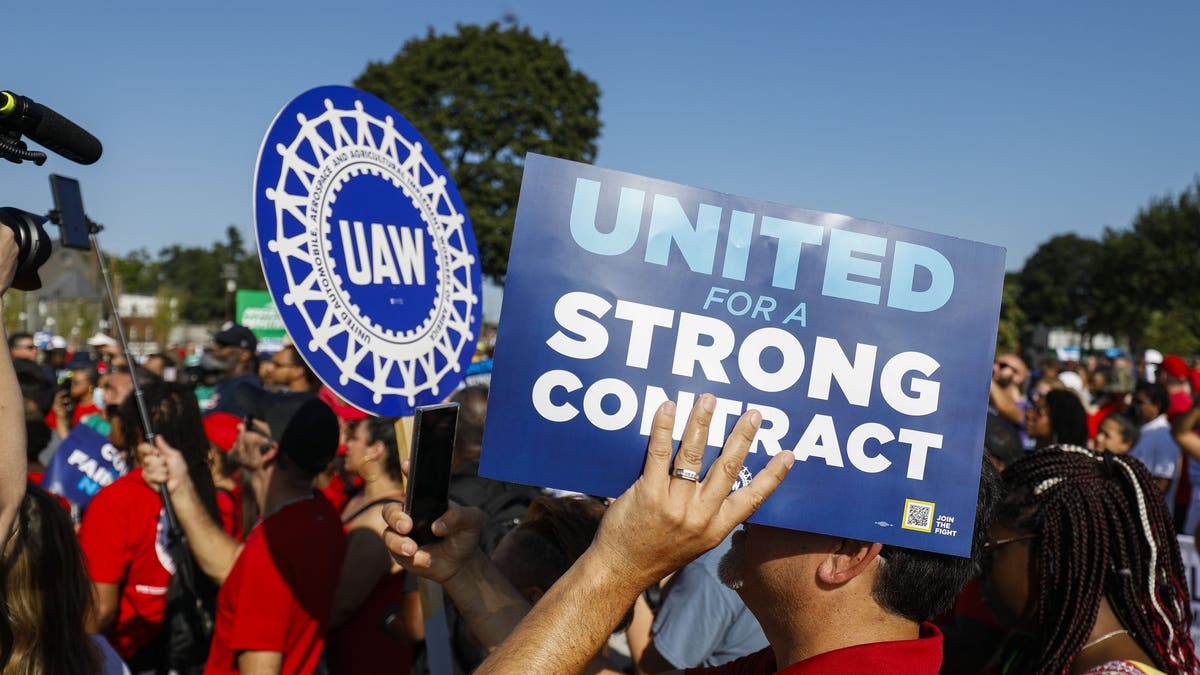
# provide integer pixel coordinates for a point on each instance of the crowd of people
(259, 526)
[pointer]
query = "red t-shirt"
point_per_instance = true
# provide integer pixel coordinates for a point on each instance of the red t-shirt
(922, 656)
(279, 593)
(229, 505)
(82, 410)
(124, 537)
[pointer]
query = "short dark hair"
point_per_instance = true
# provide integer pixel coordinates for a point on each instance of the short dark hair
(1129, 431)
(468, 437)
(918, 585)
(555, 532)
(309, 375)
(1157, 393)
(17, 337)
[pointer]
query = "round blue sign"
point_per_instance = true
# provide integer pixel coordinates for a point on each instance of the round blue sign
(367, 250)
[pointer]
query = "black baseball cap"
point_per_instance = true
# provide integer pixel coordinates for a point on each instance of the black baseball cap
(303, 425)
(236, 335)
(1002, 440)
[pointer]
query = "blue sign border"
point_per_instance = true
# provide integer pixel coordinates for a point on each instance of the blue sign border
(384, 347)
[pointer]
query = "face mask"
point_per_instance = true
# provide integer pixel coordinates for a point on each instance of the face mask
(98, 397)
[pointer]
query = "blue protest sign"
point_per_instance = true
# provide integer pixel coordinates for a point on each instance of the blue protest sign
(82, 464)
(866, 347)
(367, 251)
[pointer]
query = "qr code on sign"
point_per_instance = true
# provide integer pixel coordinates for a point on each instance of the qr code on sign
(918, 515)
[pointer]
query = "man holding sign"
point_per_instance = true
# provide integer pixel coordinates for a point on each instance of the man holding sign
(826, 604)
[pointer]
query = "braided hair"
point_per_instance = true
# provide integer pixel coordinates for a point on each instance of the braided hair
(1103, 531)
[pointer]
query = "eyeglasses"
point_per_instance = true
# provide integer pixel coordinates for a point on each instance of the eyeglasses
(990, 546)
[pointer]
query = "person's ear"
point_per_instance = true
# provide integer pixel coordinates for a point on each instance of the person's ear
(849, 559)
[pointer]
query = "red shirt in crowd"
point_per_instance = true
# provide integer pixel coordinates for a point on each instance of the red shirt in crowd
(123, 536)
(279, 594)
(229, 505)
(922, 656)
(81, 411)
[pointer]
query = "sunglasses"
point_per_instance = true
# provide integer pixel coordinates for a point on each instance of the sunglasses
(248, 424)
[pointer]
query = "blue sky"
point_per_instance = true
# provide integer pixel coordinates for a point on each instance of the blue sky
(999, 122)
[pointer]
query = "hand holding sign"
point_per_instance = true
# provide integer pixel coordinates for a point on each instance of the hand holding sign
(664, 521)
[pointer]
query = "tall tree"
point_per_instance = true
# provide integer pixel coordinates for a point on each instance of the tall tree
(1056, 282)
(1153, 267)
(484, 97)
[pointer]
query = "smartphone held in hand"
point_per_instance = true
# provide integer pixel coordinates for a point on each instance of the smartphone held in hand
(429, 472)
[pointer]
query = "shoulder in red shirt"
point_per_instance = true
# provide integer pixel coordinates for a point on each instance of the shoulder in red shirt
(922, 656)
(279, 594)
(123, 537)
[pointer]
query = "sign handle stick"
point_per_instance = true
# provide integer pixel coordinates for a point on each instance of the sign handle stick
(433, 607)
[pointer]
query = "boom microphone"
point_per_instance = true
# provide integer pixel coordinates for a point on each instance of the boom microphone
(48, 128)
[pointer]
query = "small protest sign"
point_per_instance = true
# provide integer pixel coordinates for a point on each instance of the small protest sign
(866, 347)
(82, 464)
(367, 251)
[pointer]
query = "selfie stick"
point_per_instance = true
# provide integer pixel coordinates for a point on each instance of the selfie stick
(147, 429)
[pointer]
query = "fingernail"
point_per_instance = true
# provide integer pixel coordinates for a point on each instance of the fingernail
(754, 417)
(708, 402)
(789, 458)
(668, 408)
(409, 548)
(438, 528)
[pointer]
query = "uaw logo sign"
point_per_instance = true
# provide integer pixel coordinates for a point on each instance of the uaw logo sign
(367, 251)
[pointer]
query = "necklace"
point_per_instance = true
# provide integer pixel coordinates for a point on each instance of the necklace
(1102, 638)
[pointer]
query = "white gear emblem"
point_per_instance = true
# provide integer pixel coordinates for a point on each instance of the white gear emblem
(314, 171)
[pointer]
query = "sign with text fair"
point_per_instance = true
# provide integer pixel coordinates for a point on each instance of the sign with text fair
(867, 348)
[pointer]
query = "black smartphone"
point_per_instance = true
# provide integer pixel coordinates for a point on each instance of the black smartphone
(429, 467)
(68, 201)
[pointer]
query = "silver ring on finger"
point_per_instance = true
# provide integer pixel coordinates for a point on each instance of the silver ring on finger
(686, 474)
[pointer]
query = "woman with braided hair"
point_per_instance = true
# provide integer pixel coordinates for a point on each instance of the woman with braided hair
(1083, 560)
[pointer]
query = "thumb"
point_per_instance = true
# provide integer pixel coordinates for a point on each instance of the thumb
(165, 448)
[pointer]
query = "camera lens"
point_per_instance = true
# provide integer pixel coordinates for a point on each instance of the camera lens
(33, 246)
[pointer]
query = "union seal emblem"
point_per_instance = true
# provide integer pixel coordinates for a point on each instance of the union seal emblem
(367, 251)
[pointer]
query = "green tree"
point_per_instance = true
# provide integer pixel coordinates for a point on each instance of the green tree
(483, 98)
(194, 276)
(1152, 267)
(1056, 285)
(1012, 317)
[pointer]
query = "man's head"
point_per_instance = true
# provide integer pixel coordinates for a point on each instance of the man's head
(21, 346)
(291, 372)
(472, 411)
(1150, 399)
(1001, 442)
(118, 384)
(158, 363)
(782, 574)
(555, 532)
(233, 350)
(298, 432)
(1009, 370)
